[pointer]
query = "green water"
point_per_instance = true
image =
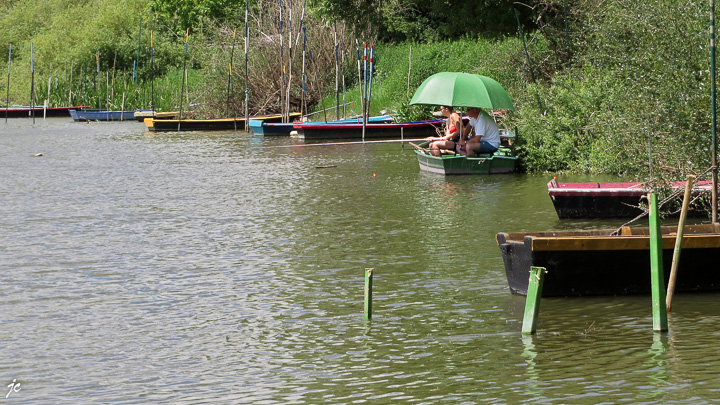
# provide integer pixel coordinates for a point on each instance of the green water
(226, 268)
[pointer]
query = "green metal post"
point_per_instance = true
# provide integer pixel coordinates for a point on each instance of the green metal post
(368, 293)
(532, 302)
(657, 279)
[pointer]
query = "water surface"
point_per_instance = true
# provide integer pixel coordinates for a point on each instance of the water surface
(220, 267)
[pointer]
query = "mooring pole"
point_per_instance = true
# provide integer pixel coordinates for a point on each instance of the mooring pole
(532, 301)
(657, 279)
(714, 197)
(678, 241)
(368, 293)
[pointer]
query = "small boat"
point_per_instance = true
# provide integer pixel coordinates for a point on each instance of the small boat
(102, 115)
(397, 130)
(216, 124)
(141, 115)
(24, 112)
(502, 161)
(259, 127)
(609, 200)
(600, 262)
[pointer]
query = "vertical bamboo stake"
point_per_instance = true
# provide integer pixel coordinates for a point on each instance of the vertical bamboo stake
(364, 93)
(97, 78)
(678, 242)
(7, 105)
(301, 29)
(409, 67)
(136, 65)
(369, 97)
(230, 78)
(337, 74)
(714, 198)
(282, 65)
(32, 83)
(182, 88)
(659, 310)
(368, 293)
(70, 83)
(303, 107)
(362, 101)
(152, 77)
(112, 81)
(290, 63)
(107, 96)
(532, 301)
(247, 89)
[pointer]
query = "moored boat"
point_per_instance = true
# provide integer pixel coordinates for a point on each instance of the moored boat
(609, 200)
(259, 127)
(141, 115)
(501, 161)
(216, 124)
(599, 262)
(40, 111)
(102, 115)
(397, 130)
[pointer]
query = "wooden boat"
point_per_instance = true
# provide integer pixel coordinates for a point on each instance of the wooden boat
(259, 127)
(407, 130)
(24, 112)
(609, 200)
(594, 262)
(141, 115)
(102, 115)
(217, 124)
(502, 161)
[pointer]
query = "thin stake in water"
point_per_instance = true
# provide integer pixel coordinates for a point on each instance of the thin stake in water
(182, 87)
(7, 106)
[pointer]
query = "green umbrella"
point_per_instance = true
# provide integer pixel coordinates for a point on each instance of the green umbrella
(462, 90)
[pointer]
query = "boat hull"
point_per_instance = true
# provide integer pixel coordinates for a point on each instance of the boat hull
(584, 263)
(219, 124)
(500, 162)
(608, 200)
(25, 112)
(283, 128)
(80, 115)
(406, 130)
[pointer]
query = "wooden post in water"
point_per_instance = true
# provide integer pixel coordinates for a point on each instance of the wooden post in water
(182, 87)
(368, 293)
(32, 83)
(714, 197)
(678, 241)
(657, 279)
(532, 302)
(7, 106)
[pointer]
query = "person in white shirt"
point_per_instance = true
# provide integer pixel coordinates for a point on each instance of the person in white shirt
(487, 133)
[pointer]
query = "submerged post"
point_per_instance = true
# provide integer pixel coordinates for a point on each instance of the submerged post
(657, 279)
(532, 302)
(368, 293)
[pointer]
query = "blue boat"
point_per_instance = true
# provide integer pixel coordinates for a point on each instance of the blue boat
(102, 115)
(259, 127)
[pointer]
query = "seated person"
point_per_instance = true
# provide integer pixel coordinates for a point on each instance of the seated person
(487, 134)
(453, 129)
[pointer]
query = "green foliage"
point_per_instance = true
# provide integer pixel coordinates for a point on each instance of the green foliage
(639, 90)
(422, 20)
(183, 14)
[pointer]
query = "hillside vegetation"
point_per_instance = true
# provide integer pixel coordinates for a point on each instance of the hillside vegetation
(605, 87)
